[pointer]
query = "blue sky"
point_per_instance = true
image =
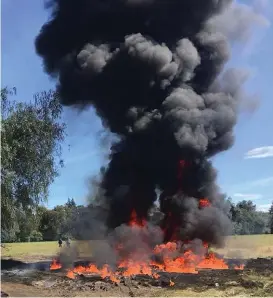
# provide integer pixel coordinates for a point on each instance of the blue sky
(245, 171)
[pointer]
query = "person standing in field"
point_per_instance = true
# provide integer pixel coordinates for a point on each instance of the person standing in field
(68, 242)
(60, 242)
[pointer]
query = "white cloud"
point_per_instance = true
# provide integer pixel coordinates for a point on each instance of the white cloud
(264, 207)
(248, 196)
(260, 152)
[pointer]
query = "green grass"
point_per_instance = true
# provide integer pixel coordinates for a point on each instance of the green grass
(248, 246)
(15, 250)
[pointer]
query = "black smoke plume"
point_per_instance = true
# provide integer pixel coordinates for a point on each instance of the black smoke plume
(153, 71)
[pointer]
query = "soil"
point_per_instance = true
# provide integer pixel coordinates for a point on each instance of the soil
(30, 280)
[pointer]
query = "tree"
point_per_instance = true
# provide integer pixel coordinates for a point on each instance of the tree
(246, 220)
(26, 223)
(271, 218)
(57, 222)
(247, 206)
(70, 203)
(35, 236)
(50, 225)
(31, 134)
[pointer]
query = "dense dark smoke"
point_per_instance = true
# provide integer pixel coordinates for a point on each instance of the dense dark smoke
(152, 69)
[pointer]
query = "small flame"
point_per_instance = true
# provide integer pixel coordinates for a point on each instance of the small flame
(134, 268)
(171, 283)
(55, 265)
(70, 274)
(105, 272)
(155, 275)
(205, 244)
(204, 203)
(135, 221)
(212, 262)
(240, 267)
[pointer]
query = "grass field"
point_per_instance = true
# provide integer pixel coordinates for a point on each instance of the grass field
(41, 250)
(248, 246)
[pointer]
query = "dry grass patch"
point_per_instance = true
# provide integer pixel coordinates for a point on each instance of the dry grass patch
(248, 246)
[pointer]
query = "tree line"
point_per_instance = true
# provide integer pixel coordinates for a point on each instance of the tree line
(247, 220)
(71, 221)
(32, 134)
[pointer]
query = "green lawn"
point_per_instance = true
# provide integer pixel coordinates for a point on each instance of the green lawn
(18, 250)
(42, 250)
(247, 246)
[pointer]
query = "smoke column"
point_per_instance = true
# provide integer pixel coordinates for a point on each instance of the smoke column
(153, 70)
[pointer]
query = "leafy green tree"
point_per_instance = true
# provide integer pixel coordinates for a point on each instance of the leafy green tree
(49, 225)
(264, 217)
(246, 220)
(26, 222)
(55, 223)
(36, 236)
(31, 138)
(248, 206)
(70, 203)
(66, 215)
(271, 218)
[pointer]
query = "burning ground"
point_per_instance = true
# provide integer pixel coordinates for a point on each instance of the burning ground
(145, 259)
(254, 280)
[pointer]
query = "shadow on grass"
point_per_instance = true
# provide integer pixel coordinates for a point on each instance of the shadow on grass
(11, 264)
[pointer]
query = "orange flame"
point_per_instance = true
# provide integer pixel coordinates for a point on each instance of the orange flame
(70, 274)
(171, 283)
(105, 272)
(204, 203)
(240, 267)
(55, 265)
(134, 268)
(212, 262)
(135, 221)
